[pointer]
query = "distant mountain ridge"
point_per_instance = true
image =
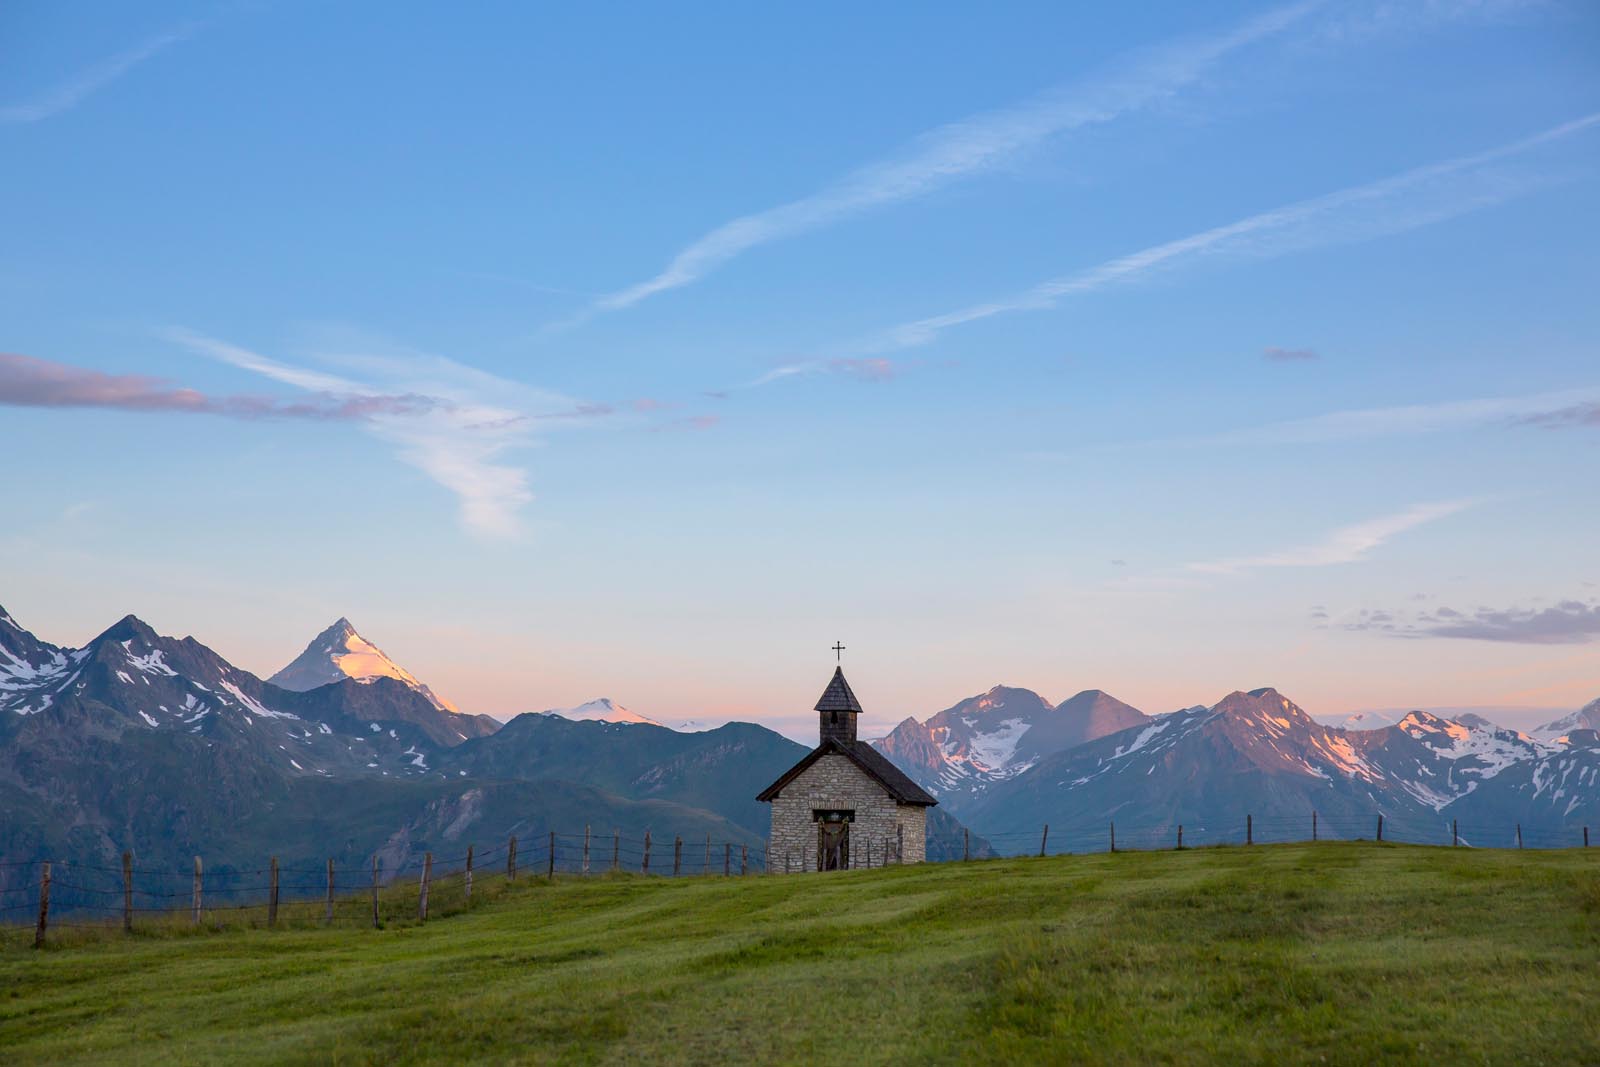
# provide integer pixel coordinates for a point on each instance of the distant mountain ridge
(958, 753)
(1260, 753)
(145, 742)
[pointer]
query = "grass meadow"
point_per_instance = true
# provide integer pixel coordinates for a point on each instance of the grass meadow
(1338, 952)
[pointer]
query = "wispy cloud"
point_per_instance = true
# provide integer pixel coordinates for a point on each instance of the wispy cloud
(29, 382)
(1568, 622)
(73, 91)
(461, 441)
(963, 148)
(867, 369)
(1392, 205)
(1348, 544)
(1584, 414)
(1566, 407)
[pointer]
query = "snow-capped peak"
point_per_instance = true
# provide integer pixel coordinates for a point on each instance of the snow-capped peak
(602, 710)
(1585, 718)
(339, 652)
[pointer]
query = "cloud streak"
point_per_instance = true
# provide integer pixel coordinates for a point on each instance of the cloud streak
(462, 440)
(1348, 544)
(1569, 622)
(29, 382)
(1405, 201)
(1562, 408)
(71, 93)
(959, 149)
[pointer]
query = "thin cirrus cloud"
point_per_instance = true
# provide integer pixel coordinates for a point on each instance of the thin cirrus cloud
(26, 381)
(867, 369)
(462, 440)
(1562, 408)
(1347, 544)
(73, 91)
(1405, 201)
(972, 145)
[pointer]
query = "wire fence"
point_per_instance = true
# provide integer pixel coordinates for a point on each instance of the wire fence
(51, 895)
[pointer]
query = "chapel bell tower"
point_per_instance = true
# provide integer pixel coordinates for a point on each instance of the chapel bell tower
(837, 711)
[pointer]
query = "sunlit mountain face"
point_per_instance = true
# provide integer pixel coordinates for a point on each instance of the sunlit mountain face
(339, 652)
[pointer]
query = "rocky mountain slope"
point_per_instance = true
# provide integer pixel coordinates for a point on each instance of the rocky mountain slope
(959, 753)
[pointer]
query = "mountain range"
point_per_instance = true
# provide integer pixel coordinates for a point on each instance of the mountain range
(145, 742)
(1008, 761)
(137, 740)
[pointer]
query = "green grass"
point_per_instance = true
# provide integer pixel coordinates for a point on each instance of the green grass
(1335, 952)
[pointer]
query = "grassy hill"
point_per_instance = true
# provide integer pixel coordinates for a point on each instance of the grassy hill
(1341, 952)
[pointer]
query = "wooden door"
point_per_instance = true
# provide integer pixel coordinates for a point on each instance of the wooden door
(833, 846)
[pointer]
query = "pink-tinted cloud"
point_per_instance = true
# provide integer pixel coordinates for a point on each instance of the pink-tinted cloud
(29, 382)
(874, 369)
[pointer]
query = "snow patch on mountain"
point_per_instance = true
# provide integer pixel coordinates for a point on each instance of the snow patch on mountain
(602, 710)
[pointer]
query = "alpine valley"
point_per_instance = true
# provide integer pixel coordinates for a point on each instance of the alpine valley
(137, 741)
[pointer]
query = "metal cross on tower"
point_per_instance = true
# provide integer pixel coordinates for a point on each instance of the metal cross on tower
(838, 651)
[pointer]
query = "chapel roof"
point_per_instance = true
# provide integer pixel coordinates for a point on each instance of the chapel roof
(838, 697)
(873, 763)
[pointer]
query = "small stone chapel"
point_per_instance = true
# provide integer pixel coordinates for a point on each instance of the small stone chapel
(844, 805)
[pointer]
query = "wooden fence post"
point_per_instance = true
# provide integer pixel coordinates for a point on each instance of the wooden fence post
(551, 873)
(788, 863)
(272, 893)
(127, 892)
(422, 888)
(645, 867)
(966, 844)
(44, 905)
(1180, 835)
(899, 843)
(585, 848)
(511, 859)
(1585, 837)
(1455, 834)
(468, 883)
(744, 857)
(197, 885)
(1249, 830)
(705, 868)
(1519, 835)
(1044, 838)
(677, 854)
(616, 850)
(1380, 826)
(376, 867)
(727, 858)
(327, 913)
(1313, 826)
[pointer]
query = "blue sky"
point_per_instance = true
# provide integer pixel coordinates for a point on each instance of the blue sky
(1165, 349)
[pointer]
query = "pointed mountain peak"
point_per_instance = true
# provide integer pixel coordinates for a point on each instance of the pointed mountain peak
(339, 652)
(129, 627)
(7, 620)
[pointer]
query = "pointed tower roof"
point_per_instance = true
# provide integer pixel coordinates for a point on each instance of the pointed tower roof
(838, 697)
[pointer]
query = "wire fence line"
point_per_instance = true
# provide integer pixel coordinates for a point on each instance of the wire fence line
(52, 894)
